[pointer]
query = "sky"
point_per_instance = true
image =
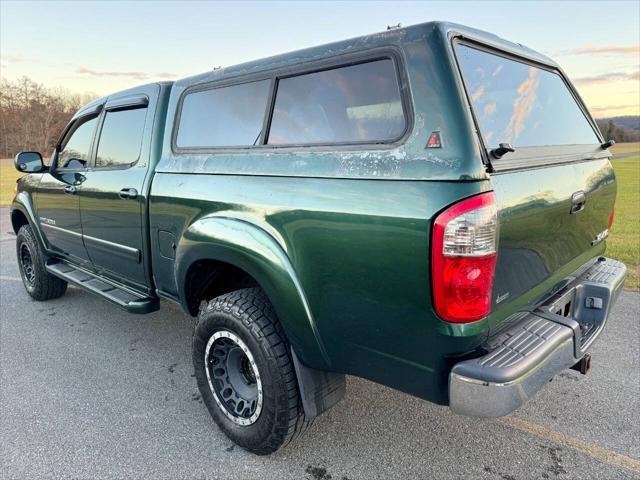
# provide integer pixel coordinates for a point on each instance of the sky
(102, 47)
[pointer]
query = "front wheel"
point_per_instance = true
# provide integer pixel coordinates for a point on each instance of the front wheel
(39, 283)
(245, 373)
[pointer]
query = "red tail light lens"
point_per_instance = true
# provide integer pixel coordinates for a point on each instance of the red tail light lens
(611, 215)
(463, 259)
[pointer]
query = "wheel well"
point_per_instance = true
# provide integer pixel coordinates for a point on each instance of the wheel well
(207, 279)
(18, 220)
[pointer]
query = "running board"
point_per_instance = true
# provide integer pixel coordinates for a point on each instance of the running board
(131, 301)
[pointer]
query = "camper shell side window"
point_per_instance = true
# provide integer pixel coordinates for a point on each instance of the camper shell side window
(341, 102)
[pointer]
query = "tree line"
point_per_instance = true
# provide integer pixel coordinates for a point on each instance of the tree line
(614, 131)
(32, 116)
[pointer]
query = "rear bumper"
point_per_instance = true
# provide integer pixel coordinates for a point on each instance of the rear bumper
(540, 344)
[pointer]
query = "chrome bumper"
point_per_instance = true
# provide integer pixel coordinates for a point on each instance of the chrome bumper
(540, 344)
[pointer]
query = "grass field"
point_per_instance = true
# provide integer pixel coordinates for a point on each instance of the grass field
(626, 148)
(623, 244)
(8, 177)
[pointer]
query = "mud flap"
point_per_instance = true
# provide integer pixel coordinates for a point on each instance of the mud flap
(319, 390)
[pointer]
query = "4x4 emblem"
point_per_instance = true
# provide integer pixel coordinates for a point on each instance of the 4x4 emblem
(601, 236)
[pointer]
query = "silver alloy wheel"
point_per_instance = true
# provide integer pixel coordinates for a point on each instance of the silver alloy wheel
(233, 377)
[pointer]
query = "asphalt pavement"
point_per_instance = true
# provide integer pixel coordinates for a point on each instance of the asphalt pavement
(88, 391)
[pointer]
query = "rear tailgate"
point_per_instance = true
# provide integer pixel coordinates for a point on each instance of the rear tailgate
(555, 192)
(540, 240)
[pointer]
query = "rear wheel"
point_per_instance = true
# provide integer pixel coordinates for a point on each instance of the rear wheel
(39, 283)
(245, 373)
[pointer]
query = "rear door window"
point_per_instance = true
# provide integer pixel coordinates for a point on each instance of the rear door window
(352, 104)
(521, 104)
(121, 138)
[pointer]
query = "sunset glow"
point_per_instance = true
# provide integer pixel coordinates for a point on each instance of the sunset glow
(101, 47)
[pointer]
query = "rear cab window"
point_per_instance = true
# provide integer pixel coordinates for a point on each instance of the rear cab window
(522, 104)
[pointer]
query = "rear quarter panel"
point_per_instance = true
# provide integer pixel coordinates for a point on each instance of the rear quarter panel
(360, 249)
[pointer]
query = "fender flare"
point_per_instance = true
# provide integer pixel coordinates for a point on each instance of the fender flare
(252, 249)
(22, 203)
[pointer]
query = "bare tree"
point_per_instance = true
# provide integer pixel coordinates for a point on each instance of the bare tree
(33, 116)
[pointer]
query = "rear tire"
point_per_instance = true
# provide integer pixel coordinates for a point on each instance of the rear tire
(245, 373)
(39, 283)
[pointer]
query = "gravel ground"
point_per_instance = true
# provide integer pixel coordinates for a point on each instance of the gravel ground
(88, 391)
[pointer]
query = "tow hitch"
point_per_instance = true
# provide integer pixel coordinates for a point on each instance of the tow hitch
(584, 365)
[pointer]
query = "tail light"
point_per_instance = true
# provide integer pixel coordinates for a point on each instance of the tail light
(463, 259)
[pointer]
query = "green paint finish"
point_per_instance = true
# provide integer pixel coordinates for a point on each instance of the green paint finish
(359, 249)
(252, 249)
(539, 237)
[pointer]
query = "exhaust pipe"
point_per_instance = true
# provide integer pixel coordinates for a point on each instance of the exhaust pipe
(584, 365)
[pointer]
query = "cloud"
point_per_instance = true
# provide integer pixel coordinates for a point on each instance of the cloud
(607, 108)
(103, 73)
(604, 50)
(167, 75)
(477, 94)
(522, 106)
(135, 75)
(490, 108)
(18, 59)
(487, 137)
(607, 78)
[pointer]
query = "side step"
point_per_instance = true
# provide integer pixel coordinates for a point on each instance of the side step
(126, 298)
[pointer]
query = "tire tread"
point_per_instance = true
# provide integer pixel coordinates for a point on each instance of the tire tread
(47, 286)
(252, 307)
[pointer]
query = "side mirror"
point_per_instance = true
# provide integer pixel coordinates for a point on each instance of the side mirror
(29, 162)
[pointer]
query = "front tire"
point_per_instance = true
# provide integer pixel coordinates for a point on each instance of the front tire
(39, 283)
(245, 373)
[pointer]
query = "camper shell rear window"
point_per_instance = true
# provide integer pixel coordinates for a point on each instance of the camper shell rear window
(520, 103)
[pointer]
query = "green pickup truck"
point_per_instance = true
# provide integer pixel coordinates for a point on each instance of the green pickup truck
(425, 207)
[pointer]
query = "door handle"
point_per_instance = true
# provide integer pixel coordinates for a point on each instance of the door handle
(578, 200)
(70, 189)
(128, 193)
